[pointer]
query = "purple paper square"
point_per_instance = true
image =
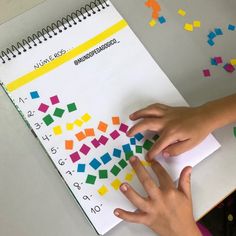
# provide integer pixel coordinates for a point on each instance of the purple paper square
(43, 107)
(229, 68)
(115, 134)
(85, 149)
(123, 127)
(206, 73)
(95, 143)
(103, 140)
(54, 100)
(75, 157)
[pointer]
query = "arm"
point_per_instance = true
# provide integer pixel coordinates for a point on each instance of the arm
(182, 128)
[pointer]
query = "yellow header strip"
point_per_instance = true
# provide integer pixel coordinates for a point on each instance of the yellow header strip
(66, 57)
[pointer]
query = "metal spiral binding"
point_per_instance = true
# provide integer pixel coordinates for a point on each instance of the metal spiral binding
(53, 29)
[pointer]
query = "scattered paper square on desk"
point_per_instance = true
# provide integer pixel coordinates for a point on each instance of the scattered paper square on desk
(181, 12)
(197, 24)
(188, 27)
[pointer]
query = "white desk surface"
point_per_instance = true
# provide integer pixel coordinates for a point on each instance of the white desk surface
(33, 199)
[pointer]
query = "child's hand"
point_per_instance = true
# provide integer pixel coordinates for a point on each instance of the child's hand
(167, 210)
(180, 128)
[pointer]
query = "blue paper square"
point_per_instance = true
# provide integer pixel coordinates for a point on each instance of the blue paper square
(106, 158)
(139, 136)
(34, 95)
(126, 148)
(81, 168)
(133, 141)
(211, 35)
(213, 62)
(218, 31)
(231, 27)
(162, 19)
(117, 153)
(211, 42)
(95, 164)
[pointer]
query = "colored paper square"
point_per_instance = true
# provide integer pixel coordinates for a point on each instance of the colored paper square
(69, 126)
(115, 120)
(71, 107)
(58, 112)
(89, 132)
(233, 61)
(132, 141)
(162, 19)
(235, 132)
(95, 164)
(117, 152)
(80, 136)
(103, 190)
(139, 136)
(211, 42)
(43, 107)
(48, 120)
(75, 157)
(218, 60)
(196, 24)
(126, 148)
(54, 100)
(139, 149)
(103, 140)
(145, 163)
(123, 128)
(148, 145)
(213, 62)
(57, 130)
(79, 123)
(86, 117)
(155, 137)
(114, 135)
(122, 163)
(95, 143)
(188, 27)
(115, 170)
(116, 184)
(102, 126)
(106, 158)
(211, 35)
(206, 73)
(91, 179)
(128, 155)
(181, 12)
(218, 31)
(103, 174)
(129, 177)
(69, 144)
(81, 168)
(229, 68)
(231, 27)
(34, 95)
(152, 23)
(85, 149)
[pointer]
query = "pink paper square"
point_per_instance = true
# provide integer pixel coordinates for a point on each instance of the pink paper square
(85, 149)
(206, 73)
(218, 60)
(43, 107)
(103, 140)
(229, 68)
(95, 143)
(75, 157)
(123, 127)
(115, 134)
(54, 100)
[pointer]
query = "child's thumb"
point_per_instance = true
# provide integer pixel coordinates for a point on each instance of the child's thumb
(185, 181)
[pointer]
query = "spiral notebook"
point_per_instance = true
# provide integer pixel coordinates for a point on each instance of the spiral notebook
(75, 83)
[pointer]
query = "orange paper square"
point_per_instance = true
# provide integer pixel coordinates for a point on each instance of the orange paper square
(80, 136)
(69, 144)
(89, 132)
(115, 120)
(102, 126)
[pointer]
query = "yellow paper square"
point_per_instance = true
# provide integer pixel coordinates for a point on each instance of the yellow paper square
(79, 122)
(145, 163)
(152, 23)
(129, 177)
(103, 190)
(197, 24)
(233, 61)
(188, 27)
(182, 12)
(57, 130)
(86, 117)
(116, 184)
(69, 126)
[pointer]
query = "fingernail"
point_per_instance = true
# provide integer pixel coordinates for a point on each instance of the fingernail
(116, 213)
(166, 154)
(132, 159)
(124, 187)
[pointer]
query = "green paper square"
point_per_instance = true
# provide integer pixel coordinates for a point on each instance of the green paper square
(155, 137)
(128, 155)
(122, 163)
(58, 112)
(115, 170)
(235, 132)
(91, 179)
(71, 107)
(139, 149)
(147, 145)
(48, 120)
(103, 174)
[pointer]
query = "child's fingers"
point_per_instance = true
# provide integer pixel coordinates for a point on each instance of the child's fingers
(151, 124)
(164, 178)
(133, 217)
(185, 181)
(134, 197)
(145, 179)
(155, 110)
